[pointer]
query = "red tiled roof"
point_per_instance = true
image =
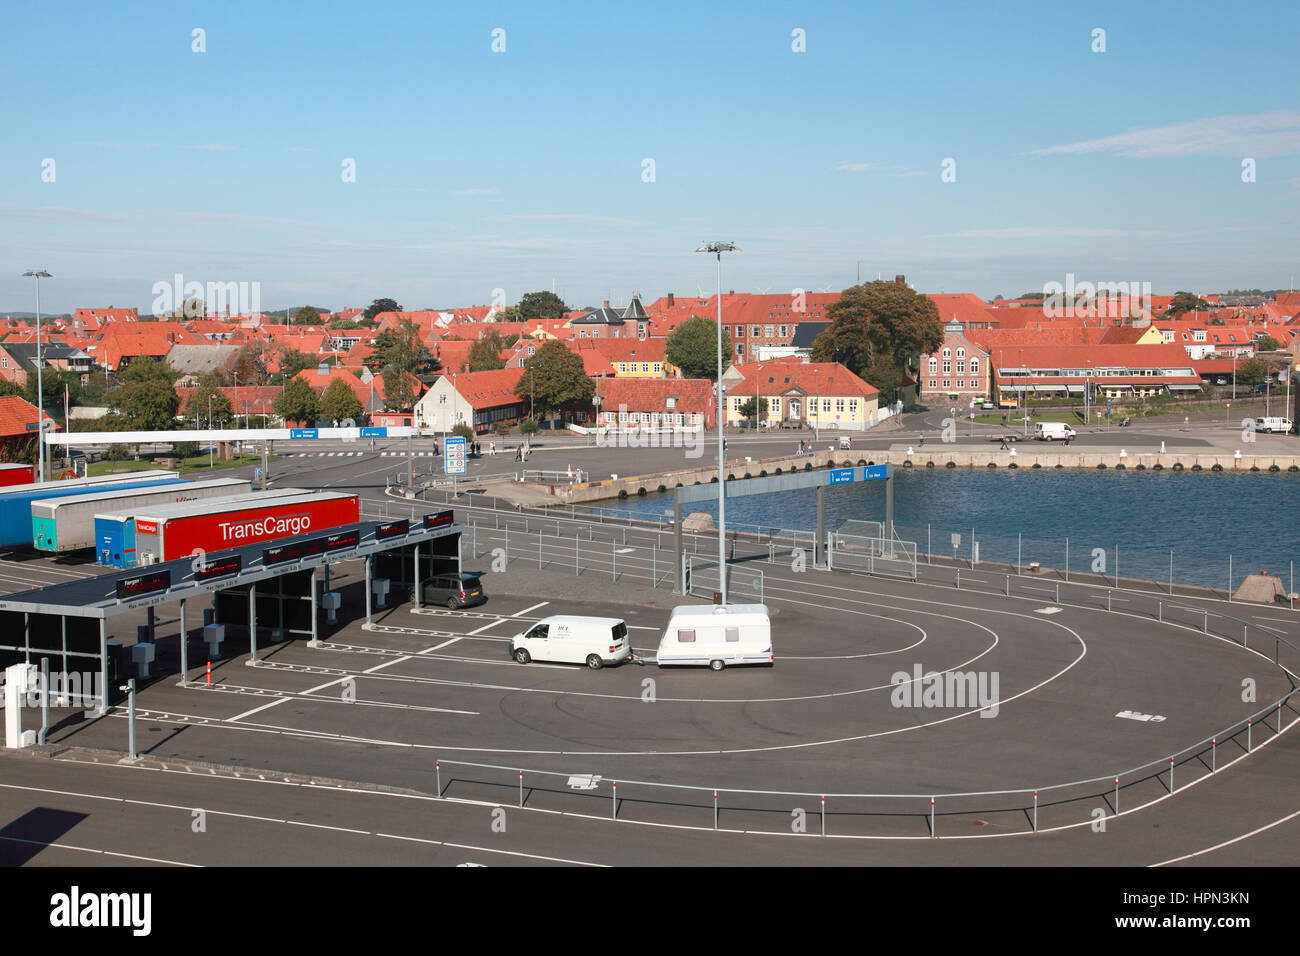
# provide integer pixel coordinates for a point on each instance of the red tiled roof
(813, 378)
(491, 389)
(16, 414)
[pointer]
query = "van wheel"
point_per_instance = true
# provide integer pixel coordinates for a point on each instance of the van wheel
(452, 603)
(522, 656)
(594, 662)
(716, 665)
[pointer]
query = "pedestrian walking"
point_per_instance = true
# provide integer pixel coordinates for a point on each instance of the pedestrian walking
(492, 447)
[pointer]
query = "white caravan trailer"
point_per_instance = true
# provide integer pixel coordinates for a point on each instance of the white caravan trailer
(594, 641)
(717, 635)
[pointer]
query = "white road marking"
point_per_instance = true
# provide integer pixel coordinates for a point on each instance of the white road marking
(1048, 610)
(1136, 715)
(486, 626)
(527, 609)
(1237, 839)
(89, 849)
(395, 660)
(282, 700)
(430, 650)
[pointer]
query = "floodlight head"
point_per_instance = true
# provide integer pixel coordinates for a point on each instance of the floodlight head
(718, 247)
(37, 273)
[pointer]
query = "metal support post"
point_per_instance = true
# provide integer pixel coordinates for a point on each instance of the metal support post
(130, 705)
(185, 650)
(368, 595)
(252, 623)
(45, 699)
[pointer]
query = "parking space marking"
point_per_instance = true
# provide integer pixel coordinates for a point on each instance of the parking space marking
(281, 700)
(527, 609)
(430, 650)
(486, 626)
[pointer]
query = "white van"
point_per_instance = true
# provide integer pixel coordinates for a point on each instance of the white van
(1051, 431)
(717, 635)
(1273, 425)
(594, 641)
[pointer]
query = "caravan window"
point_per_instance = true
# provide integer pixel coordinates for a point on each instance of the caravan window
(685, 636)
(733, 635)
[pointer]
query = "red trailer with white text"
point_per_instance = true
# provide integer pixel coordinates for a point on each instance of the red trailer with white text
(16, 474)
(168, 533)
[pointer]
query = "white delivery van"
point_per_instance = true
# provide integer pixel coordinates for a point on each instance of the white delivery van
(1051, 431)
(594, 641)
(1273, 425)
(717, 635)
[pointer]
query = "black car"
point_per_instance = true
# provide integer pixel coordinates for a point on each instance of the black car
(455, 591)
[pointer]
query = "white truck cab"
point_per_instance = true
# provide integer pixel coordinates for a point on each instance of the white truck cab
(594, 641)
(716, 635)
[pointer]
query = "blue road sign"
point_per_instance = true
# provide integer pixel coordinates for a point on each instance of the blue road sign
(377, 432)
(872, 472)
(454, 461)
(304, 433)
(841, 476)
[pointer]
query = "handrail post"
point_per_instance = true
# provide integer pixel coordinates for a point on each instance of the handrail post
(521, 788)
(1035, 811)
(1214, 754)
(614, 809)
(1117, 796)
(823, 814)
(1249, 724)
(933, 834)
(715, 809)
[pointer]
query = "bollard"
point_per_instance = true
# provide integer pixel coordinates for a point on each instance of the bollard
(1117, 796)
(1243, 635)
(823, 814)
(1058, 592)
(933, 834)
(614, 809)
(209, 673)
(1035, 811)
(1248, 730)
(1108, 600)
(958, 579)
(1008, 585)
(1171, 774)
(1214, 755)
(1160, 611)
(715, 809)
(437, 769)
(521, 788)
(1205, 625)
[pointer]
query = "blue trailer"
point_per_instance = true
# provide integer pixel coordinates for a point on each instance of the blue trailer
(16, 500)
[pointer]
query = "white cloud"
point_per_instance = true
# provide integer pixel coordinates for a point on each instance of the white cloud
(215, 148)
(1258, 135)
(477, 191)
(1046, 232)
(58, 215)
(845, 166)
(566, 217)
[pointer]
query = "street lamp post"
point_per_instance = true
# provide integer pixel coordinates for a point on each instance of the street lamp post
(211, 443)
(38, 275)
(717, 249)
(817, 404)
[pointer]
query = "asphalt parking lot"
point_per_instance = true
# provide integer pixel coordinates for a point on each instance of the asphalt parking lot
(385, 719)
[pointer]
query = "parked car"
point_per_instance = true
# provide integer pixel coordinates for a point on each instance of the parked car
(988, 406)
(454, 590)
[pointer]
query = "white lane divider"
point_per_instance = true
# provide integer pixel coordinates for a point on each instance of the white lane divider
(527, 609)
(1135, 715)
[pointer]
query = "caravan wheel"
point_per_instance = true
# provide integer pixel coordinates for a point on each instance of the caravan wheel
(716, 665)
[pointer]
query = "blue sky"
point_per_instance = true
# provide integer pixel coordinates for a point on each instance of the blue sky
(478, 170)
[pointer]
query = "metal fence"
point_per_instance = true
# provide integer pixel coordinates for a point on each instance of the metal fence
(702, 579)
(871, 554)
(1171, 570)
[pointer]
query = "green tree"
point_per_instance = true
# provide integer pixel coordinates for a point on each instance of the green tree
(509, 314)
(401, 348)
(1252, 371)
(484, 355)
(338, 402)
(1186, 302)
(382, 305)
(464, 431)
(296, 402)
(306, 316)
(146, 397)
(1266, 343)
(292, 362)
(881, 328)
(340, 323)
(502, 429)
(541, 305)
(528, 427)
(196, 409)
(401, 389)
(754, 408)
(693, 348)
(557, 378)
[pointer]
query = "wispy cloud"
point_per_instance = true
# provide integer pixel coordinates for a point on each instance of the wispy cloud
(844, 166)
(59, 215)
(1046, 232)
(214, 148)
(567, 217)
(477, 191)
(1257, 135)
